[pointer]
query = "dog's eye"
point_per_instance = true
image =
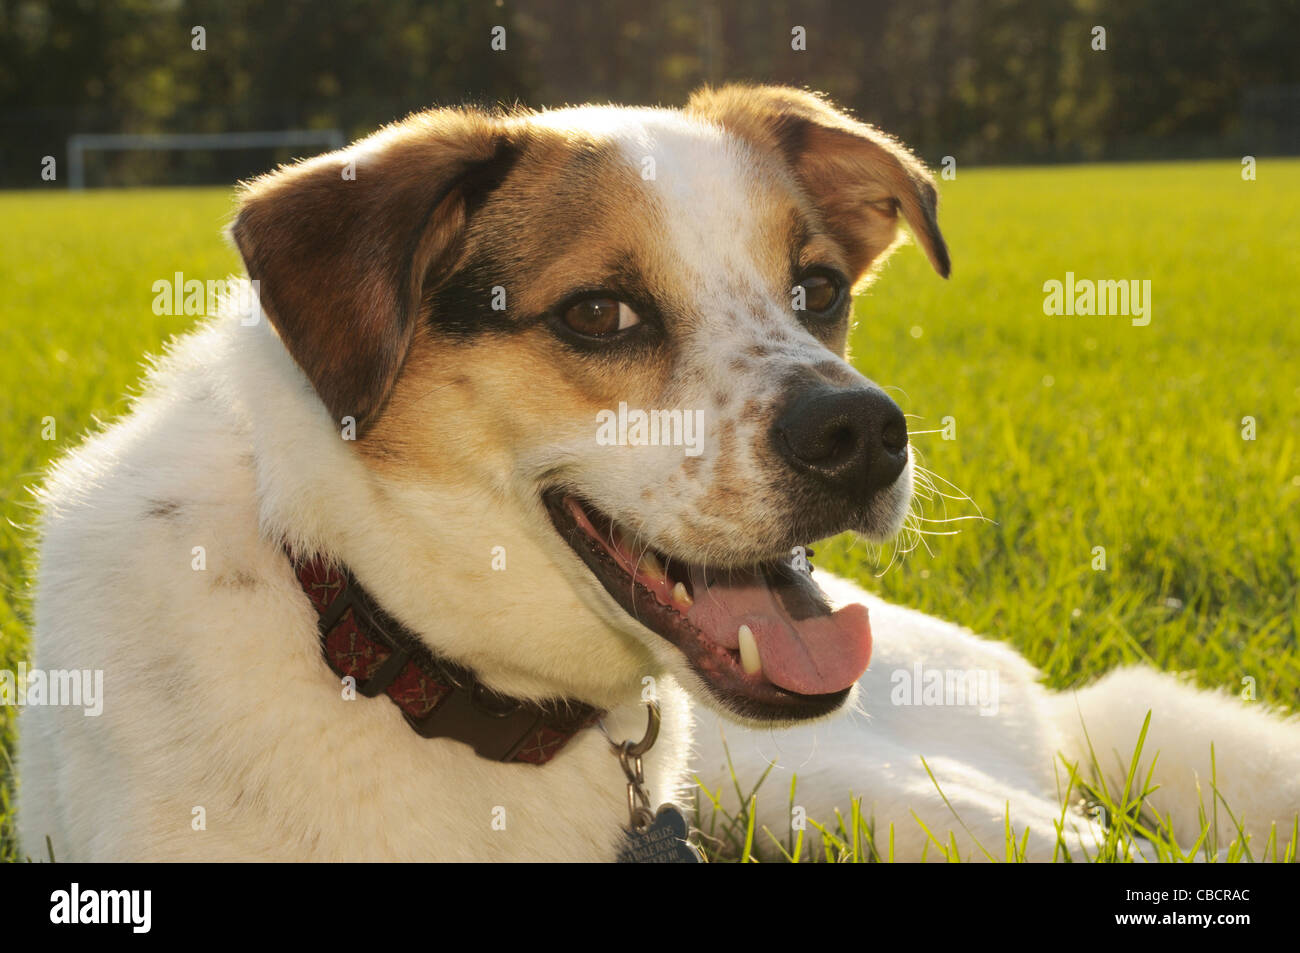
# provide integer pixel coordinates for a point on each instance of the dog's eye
(818, 293)
(599, 317)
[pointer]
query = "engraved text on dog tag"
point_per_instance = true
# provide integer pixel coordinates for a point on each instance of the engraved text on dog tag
(663, 842)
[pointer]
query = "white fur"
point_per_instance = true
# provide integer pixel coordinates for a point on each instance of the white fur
(215, 692)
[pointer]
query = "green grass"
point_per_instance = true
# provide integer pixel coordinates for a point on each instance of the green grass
(1131, 831)
(1082, 432)
(1135, 445)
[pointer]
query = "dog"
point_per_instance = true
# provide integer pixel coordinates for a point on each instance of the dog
(406, 555)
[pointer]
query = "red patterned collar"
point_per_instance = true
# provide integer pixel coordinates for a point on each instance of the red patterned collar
(438, 698)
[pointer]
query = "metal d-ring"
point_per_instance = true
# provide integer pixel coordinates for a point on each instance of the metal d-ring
(651, 731)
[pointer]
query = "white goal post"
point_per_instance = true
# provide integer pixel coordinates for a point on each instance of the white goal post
(81, 143)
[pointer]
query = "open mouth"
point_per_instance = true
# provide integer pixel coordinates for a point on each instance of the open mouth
(763, 637)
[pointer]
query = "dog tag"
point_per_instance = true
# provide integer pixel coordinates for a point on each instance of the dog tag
(663, 842)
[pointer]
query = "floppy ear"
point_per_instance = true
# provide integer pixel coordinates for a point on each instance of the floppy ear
(858, 177)
(342, 244)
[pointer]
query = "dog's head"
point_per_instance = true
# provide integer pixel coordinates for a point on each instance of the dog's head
(625, 329)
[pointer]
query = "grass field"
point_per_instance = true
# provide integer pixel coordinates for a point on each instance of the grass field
(1071, 433)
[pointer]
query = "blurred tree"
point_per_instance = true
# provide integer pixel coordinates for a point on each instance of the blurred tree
(985, 80)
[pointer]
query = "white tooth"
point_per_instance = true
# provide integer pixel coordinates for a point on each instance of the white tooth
(652, 567)
(749, 659)
(681, 596)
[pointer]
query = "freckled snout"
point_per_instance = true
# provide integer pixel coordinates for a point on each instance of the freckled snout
(852, 441)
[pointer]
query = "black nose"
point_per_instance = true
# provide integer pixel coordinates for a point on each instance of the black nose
(854, 440)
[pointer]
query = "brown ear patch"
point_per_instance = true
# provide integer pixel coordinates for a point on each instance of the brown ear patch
(342, 244)
(858, 177)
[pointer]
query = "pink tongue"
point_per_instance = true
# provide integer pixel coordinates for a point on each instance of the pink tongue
(817, 655)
